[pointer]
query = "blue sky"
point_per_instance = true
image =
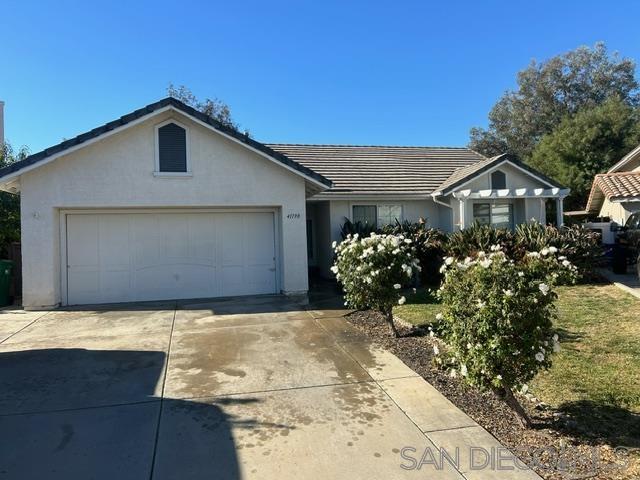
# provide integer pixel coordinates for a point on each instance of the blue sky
(400, 73)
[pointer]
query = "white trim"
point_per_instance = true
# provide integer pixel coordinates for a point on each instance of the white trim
(64, 212)
(626, 159)
(490, 171)
(368, 198)
(69, 150)
(625, 200)
(142, 119)
(512, 193)
(187, 138)
(373, 204)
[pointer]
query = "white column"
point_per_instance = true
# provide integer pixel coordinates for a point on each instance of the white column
(462, 213)
(559, 212)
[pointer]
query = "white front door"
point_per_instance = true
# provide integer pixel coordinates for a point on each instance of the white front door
(125, 257)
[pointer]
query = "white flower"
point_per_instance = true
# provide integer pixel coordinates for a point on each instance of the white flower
(448, 260)
(498, 377)
(555, 337)
(496, 248)
(401, 301)
(566, 263)
(533, 254)
(463, 370)
(508, 293)
(334, 269)
(544, 252)
(438, 316)
(524, 389)
(397, 286)
(469, 346)
(562, 257)
(521, 274)
(540, 356)
(553, 249)
(453, 373)
(481, 304)
(407, 241)
(334, 244)
(436, 350)
(544, 288)
(485, 263)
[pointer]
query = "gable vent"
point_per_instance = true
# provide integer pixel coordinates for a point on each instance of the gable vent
(172, 146)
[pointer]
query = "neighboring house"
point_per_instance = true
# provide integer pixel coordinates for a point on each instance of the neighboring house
(616, 194)
(167, 203)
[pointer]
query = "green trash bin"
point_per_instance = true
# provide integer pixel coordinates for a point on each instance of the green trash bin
(5, 281)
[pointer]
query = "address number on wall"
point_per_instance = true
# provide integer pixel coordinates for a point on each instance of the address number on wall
(293, 215)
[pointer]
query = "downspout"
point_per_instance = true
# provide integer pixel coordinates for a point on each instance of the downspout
(435, 196)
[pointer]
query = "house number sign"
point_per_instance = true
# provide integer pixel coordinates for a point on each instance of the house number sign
(293, 215)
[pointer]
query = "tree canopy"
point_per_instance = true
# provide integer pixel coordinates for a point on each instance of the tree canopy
(571, 117)
(215, 107)
(9, 203)
(550, 91)
(587, 143)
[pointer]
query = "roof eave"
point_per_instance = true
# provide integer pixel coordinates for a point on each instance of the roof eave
(13, 171)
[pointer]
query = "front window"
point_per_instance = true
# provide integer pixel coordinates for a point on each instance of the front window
(498, 216)
(377, 216)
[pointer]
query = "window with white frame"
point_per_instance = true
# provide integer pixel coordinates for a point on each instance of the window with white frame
(377, 216)
(172, 152)
(499, 215)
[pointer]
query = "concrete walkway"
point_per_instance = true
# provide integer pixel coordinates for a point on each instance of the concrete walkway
(247, 388)
(628, 282)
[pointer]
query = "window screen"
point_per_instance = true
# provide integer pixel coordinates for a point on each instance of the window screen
(365, 214)
(172, 148)
(502, 216)
(482, 213)
(388, 214)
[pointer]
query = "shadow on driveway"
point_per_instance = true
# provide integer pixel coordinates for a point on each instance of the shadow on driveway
(75, 413)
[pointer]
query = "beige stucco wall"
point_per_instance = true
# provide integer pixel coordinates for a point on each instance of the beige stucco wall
(330, 216)
(117, 172)
(619, 212)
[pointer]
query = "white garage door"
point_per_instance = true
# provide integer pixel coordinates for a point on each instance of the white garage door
(156, 256)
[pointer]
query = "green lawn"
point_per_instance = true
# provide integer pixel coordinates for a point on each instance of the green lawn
(599, 363)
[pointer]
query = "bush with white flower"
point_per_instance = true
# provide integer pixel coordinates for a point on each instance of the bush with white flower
(497, 318)
(373, 270)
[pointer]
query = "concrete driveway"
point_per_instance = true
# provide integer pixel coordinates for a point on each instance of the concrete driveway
(244, 388)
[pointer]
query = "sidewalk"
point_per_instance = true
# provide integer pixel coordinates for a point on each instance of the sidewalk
(628, 282)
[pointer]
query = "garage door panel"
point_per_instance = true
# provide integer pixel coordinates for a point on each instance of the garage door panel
(155, 256)
(260, 239)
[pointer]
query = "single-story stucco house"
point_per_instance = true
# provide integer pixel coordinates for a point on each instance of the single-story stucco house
(616, 194)
(167, 203)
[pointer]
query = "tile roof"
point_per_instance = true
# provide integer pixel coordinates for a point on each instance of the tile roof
(613, 186)
(141, 112)
(380, 170)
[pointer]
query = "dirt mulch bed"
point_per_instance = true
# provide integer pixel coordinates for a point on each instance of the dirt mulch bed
(558, 447)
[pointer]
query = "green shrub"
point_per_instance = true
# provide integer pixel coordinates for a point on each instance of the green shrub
(497, 318)
(430, 244)
(359, 228)
(580, 246)
(478, 238)
(373, 270)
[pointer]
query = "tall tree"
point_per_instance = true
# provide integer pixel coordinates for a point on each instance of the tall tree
(9, 203)
(587, 143)
(215, 107)
(550, 91)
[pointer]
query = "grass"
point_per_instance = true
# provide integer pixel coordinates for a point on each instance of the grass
(595, 378)
(599, 363)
